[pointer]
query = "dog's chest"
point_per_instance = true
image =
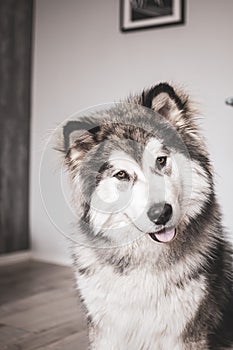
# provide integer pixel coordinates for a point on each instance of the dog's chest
(140, 310)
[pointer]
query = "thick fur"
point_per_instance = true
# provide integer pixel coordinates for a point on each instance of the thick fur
(140, 294)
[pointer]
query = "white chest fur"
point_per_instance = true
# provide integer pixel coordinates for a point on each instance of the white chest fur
(138, 311)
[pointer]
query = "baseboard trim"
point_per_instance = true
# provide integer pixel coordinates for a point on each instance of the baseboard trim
(14, 258)
(52, 259)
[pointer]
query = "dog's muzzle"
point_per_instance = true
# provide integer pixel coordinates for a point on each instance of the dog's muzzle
(160, 214)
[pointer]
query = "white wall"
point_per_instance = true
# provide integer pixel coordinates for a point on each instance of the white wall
(81, 59)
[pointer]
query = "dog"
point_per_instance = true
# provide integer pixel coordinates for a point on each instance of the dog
(151, 259)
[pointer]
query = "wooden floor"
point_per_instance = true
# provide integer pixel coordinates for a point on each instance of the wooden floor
(39, 308)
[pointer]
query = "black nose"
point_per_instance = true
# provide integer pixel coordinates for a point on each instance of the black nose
(159, 215)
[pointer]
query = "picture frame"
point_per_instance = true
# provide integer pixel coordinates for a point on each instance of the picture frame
(146, 14)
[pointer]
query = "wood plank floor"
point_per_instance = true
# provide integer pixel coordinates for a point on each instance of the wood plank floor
(39, 308)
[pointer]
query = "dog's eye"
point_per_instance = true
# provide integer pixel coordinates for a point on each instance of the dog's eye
(161, 162)
(122, 175)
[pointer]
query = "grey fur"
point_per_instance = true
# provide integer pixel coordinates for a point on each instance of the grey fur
(200, 248)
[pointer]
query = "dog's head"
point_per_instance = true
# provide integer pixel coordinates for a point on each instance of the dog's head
(140, 168)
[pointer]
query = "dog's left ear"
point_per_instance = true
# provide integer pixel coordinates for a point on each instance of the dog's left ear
(78, 138)
(164, 100)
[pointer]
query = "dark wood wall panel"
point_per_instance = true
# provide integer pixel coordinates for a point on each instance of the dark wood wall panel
(15, 76)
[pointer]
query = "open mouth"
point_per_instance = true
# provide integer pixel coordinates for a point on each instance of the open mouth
(166, 235)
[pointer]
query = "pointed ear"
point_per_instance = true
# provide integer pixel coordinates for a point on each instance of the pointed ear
(164, 100)
(78, 138)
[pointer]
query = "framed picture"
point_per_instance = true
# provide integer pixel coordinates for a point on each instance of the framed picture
(142, 14)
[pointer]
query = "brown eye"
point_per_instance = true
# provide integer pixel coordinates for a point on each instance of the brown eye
(122, 175)
(161, 162)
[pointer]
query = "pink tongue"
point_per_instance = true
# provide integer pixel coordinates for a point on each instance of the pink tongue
(166, 236)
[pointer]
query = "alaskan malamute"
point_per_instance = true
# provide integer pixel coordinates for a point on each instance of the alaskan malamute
(152, 263)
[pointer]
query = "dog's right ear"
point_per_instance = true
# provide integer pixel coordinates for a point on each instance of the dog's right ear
(169, 102)
(78, 138)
